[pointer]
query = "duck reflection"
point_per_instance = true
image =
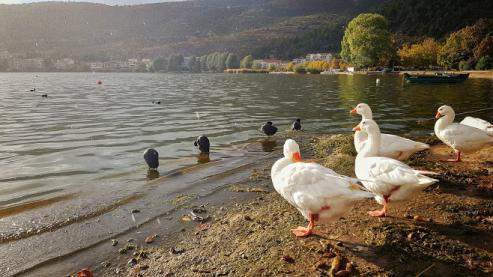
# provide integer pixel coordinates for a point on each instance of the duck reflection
(152, 174)
(268, 145)
(203, 158)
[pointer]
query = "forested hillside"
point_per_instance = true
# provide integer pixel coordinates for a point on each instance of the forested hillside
(279, 28)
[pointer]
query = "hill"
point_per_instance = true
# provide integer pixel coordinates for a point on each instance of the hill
(95, 31)
(280, 28)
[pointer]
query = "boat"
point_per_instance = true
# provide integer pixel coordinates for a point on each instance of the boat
(437, 78)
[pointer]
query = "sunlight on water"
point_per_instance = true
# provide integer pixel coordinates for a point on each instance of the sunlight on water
(85, 133)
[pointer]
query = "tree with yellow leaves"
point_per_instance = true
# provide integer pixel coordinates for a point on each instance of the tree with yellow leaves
(420, 54)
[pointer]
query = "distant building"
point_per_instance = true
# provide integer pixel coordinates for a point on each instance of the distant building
(96, 66)
(148, 63)
(299, 60)
(133, 64)
(4, 55)
(35, 64)
(64, 64)
(318, 57)
(265, 64)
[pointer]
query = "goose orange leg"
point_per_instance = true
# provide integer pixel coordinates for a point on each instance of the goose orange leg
(457, 158)
(306, 231)
(380, 213)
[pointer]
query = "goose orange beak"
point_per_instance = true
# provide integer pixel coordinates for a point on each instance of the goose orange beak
(438, 115)
(356, 128)
(296, 157)
(353, 111)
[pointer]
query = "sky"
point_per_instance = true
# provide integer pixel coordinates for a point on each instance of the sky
(108, 2)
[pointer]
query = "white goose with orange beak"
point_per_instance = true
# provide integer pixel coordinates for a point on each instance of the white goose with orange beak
(391, 146)
(320, 194)
(460, 137)
(390, 180)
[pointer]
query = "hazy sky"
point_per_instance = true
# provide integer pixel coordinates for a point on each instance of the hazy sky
(108, 2)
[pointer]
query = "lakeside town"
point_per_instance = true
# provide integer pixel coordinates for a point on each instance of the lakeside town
(17, 63)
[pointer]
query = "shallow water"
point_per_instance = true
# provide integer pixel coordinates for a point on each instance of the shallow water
(84, 133)
(72, 168)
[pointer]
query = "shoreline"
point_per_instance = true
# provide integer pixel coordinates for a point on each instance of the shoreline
(446, 230)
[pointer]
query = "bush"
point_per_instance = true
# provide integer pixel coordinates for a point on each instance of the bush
(313, 70)
(484, 63)
(466, 65)
(299, 68)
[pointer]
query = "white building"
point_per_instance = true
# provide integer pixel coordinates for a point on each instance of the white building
(95, 66)
(299, 60)
(64, 64)
(318, 57)
(133, 63)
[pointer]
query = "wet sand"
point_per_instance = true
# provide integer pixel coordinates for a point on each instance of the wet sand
(445, 231)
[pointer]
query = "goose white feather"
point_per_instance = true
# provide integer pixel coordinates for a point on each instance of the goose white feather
(317, 192)
(391, 180)
(460, 137)
(391, 146)
(479, 123)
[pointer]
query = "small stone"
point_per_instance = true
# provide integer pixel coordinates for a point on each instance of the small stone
(408, 216)
(106, 264)
(114, 242)
(339, 243)
(288, 259)
(131, 240)
(132, 262)
(418, 218)
(322, 266)
(150, 239)
(410, 236)
(247, 217)
(122, 251)
(134, 211)
(176, 251)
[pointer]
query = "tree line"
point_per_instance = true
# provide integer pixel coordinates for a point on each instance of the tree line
(367, 42)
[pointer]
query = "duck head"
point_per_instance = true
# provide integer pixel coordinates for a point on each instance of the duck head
(364, 110)
(292, 150)
(444, 111)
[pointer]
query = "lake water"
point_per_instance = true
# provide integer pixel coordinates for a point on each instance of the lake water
(71, 165)
(86, 133)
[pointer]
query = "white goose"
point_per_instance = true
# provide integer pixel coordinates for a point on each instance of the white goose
(390, 180)
(320, 194)
(391, 146)
(460, 137)
(478, 123)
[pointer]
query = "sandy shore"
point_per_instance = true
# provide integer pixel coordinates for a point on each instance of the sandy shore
(445, 231)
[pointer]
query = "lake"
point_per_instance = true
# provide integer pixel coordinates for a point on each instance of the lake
(84, 132)
(84, 142)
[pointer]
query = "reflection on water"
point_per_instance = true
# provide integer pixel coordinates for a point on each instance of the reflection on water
(152, 174)
(268, 144)
(203, 157)
(85, 132)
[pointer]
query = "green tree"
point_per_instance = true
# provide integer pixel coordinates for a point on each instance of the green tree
(256, 65)
(203, 63)
(175, 62)
(160, 64)
(484, 63)
(232, 61)
(4, 65)
(247, 62)
(194, 64)
(367, 41)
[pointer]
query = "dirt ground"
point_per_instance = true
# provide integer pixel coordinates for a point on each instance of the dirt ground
(444, 231)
